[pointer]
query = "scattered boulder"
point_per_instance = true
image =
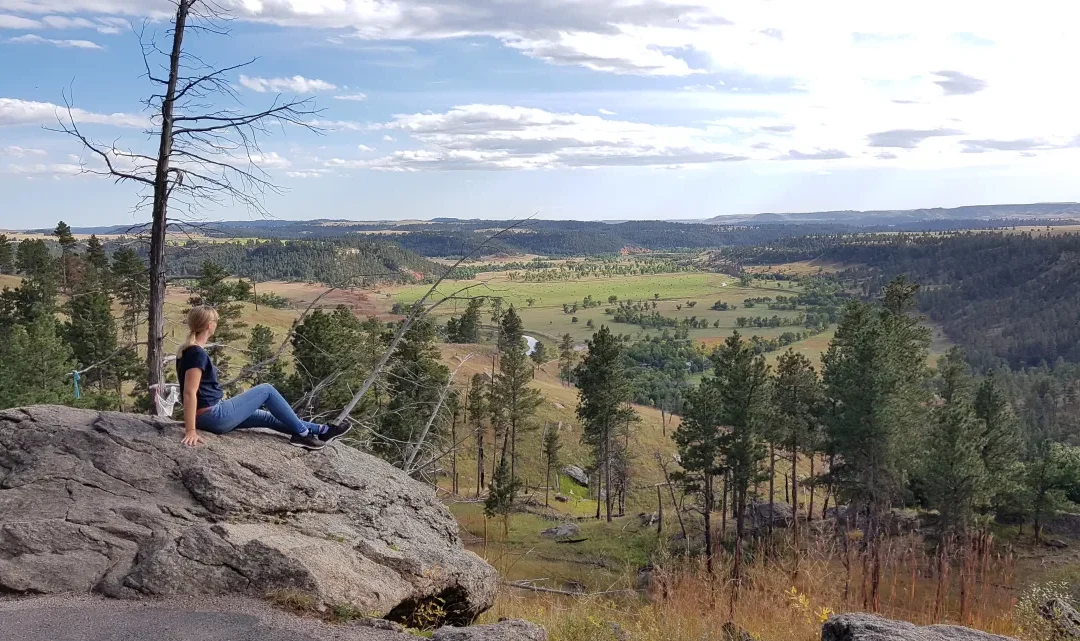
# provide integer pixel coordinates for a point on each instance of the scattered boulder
(577, 587)
(732, 632)
(1064, 523)
(645, 519)
(781, 515)
(1057, 543)
(619, 633)
(836, 513)
(511, 630)
(562, 531)
(1063, 618)
(867, 627)
(114, 504)
(576, 475)
(562, 498)
(899, 521)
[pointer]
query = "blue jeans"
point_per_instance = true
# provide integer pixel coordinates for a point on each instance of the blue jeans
(243, 412)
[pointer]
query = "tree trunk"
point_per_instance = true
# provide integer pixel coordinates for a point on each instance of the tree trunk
(723, 507)
(736, 566)
(795, 506)
(772, 484)
(155, 332)
(607, 472)
(813, 488)
(708, 525)
(659, 512)
(479, 459)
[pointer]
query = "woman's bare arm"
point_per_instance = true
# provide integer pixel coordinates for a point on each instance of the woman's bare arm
(192, 378)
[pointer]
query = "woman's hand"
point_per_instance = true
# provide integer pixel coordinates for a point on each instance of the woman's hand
(192, 439)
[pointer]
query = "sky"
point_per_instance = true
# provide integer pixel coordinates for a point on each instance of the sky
(563, 109)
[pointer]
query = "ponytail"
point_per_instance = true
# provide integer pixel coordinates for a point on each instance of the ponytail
(198, 321)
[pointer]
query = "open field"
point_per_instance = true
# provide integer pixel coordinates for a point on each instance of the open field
(796, 268)
(9, 281)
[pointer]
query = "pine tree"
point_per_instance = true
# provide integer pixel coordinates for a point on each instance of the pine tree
(33, 260)
(513, 397)
(37, 364)
(539, 354)
(552, 447)
(698, 440)
(742, 389)
(955, 474)
(95, 254)
(796, 409)
(262, 352)
(67, 252)
(330, 352)
(132, 282)
(467, 328)
(7, 255)
(567, 358)
(91, 330)
(476, 409)
(500, 500)
(416, 383)
(602, 390)
(1001, 432)
(873, 374)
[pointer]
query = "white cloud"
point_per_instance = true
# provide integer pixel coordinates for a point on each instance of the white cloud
(17, 22)
(355, 97)
(388, 138)
(306, 173)
(337, 125)
(42, 169)
(492, 137)
(21, 152)
(27, 112)
(295, 84)
(605, 112)
(270, 160)
(365, 148)
(31, 38)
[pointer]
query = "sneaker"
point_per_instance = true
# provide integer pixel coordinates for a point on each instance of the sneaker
(334, 432)
(308, 441)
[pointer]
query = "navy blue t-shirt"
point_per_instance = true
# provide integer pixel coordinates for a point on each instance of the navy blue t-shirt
(195, 357)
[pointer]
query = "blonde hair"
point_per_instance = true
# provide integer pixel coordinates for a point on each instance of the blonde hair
(198, 320)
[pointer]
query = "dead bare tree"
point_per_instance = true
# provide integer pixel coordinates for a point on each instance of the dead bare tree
(208, 147)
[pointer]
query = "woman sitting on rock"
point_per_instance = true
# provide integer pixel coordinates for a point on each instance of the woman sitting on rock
(204, 408)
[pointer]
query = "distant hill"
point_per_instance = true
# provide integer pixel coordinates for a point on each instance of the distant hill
(1034, 211)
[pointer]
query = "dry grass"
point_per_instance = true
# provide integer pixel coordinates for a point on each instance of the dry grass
(774, 603)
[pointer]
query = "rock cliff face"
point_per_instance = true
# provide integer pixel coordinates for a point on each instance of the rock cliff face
(115, 504)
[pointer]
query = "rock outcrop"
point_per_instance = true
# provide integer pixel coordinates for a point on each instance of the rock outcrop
(1063, 619)
(576, 475)
(867, 627)
(115, 504)
(562, 531)
(512, 630)
(762, 515)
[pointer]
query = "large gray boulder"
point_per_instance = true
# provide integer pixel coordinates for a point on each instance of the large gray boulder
(1063, 618)
(779, 514)
(576, 475)
(511, 630)
(115, 504)
(562, 531)
(867, 627)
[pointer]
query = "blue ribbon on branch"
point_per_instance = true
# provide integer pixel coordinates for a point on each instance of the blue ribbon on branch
(75, 378)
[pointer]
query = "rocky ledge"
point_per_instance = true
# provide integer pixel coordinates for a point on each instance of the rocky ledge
(114, 504)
